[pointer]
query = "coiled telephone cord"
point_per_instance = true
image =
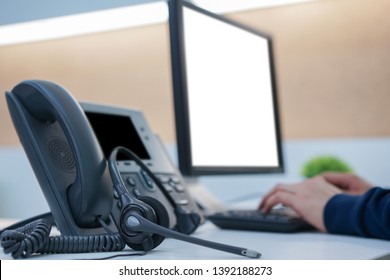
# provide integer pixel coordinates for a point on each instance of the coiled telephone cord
(34, 238)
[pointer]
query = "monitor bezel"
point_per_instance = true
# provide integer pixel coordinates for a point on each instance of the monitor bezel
(180, 96)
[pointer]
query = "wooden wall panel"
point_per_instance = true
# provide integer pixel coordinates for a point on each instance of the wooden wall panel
(127, 68)
(333, 64)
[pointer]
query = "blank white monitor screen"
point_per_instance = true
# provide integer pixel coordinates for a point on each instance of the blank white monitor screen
(230, 94)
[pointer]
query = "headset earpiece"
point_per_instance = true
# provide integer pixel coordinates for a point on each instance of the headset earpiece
(147, 207)
(152, 210)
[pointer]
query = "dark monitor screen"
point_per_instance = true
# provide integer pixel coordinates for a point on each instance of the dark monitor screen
(115, 130)
(224, 94)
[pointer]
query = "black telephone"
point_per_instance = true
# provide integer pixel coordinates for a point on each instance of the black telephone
(115, 126)
(92, 206)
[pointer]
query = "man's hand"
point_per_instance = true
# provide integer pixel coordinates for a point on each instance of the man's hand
(307, 198)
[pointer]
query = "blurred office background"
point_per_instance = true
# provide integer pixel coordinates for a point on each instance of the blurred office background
(332, 64)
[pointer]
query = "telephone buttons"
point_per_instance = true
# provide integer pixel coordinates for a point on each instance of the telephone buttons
(137, 192)
(164, 179)
(175, 179)
(175, 183)
(168, 187)
(131, 181)
(149, 182)
(179, 188)
(171, 183)
(182, 201)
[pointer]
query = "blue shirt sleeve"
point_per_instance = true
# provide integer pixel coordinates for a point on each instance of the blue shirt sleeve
(367, 215)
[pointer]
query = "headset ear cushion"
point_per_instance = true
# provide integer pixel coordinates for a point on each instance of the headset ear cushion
(162, 219)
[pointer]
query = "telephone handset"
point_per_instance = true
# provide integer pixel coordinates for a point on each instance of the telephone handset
(64, 154)
(91, 205)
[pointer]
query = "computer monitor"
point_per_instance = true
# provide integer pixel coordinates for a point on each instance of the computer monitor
(225, 101)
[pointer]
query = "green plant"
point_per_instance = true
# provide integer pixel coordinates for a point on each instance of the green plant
(324, 163)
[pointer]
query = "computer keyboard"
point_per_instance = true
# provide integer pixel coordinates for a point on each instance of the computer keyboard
(278, 220)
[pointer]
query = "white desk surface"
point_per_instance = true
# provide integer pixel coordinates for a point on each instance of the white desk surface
(368, 157)
(272, 246)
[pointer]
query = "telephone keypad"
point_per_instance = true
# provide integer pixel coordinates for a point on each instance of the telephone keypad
(175, 187)
(141, 184)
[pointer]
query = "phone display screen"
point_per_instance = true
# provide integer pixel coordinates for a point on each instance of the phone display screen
(116, 130)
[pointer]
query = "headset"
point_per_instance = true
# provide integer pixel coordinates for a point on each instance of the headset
(78, 183)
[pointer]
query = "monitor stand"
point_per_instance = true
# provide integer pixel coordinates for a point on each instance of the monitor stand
(206, 201)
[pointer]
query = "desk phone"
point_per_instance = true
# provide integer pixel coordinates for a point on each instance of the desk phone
(115, 126)
(105, 175)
